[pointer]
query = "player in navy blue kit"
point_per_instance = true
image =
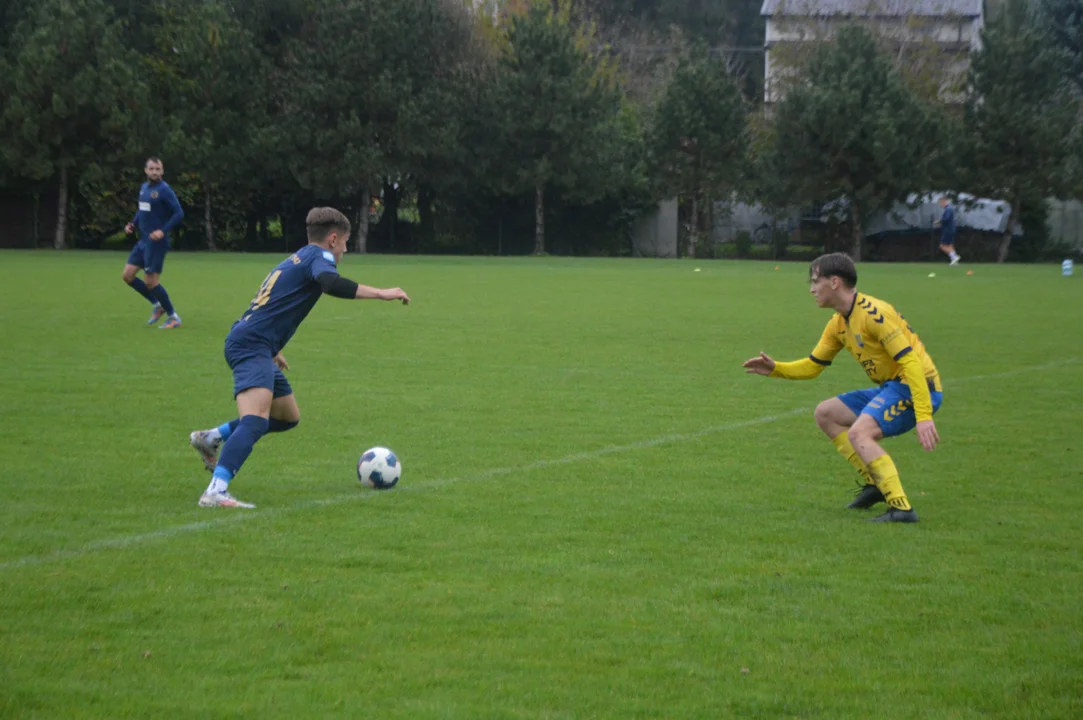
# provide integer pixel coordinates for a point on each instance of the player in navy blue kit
(947, 230)
(265, 401)
(159, 212)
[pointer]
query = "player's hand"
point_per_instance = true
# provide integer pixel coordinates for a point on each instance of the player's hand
(396, 294)
(928, 435)
(762, 365)
(157, 235)
(129, 229)
(281, 362)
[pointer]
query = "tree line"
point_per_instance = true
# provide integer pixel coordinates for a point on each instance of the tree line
(518, 128)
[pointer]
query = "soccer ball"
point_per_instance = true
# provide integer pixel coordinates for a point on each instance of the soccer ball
(379, 468)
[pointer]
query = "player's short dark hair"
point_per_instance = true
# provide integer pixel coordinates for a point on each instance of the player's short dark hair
(151, 159)
(838, 265)
(322, 221)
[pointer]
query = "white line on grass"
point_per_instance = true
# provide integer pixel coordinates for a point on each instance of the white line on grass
(238, 516)
(1018, 371)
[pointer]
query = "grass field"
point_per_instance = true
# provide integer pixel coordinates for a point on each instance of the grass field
(600, 516)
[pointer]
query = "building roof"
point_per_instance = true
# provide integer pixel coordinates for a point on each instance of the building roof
(888, 8)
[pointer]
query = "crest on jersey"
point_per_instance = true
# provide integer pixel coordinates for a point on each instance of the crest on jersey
(857, 339)
(328, 257)
(154, 194)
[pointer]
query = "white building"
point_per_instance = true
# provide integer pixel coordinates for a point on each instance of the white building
(943, 32)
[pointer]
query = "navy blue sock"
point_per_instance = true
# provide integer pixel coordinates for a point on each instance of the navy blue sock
(226, 429)
(281, 425)
(163, 297)
(239, 446)
(141, 287)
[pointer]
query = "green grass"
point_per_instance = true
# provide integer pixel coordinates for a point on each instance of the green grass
(600, 515)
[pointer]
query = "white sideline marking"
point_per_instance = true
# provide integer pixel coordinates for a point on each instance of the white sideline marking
(237, 516)
(1019, 371)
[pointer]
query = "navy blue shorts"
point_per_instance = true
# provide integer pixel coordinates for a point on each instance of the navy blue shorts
(149, 255)
(890, 405)
(255, 367)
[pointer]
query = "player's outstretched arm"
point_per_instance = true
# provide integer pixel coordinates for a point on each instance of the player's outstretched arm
(762, 365)
(337, 286)
(364, 292)
(804, 369)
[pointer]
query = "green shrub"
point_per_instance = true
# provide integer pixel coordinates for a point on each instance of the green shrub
(117, 241)
(726, 251)
(705, 246)
(803, 252)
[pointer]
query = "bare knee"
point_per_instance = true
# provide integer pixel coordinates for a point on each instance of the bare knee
(151, 281)
(127, 275)
(864, 432)
(833, 417)
(822, 415)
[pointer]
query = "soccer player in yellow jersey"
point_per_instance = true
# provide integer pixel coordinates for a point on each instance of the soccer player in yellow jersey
(893, 357)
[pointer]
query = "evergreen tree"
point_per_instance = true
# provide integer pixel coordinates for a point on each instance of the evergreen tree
(700, 136)
(1019, 118)
(73, 90)
(1063, 20)
(363, 107)
(216, 83)
(850, 128)
(558, 115)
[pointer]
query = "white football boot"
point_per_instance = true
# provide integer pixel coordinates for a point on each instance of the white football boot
(207, 447)
(222, 499)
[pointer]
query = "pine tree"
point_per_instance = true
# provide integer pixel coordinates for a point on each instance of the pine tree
(700, 137)
(1019, 117)
(560, 123)
(851, 128)
(73, 91)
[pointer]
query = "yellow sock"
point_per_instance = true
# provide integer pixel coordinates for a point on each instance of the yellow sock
(842, 444)
(886, 475)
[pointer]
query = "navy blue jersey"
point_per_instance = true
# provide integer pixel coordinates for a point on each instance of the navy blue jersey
(947, 226)
(159, 209)
(284, 299)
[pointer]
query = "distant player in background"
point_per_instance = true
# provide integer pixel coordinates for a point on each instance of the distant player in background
(893, 357)
(158, 213)
(265, 401)
(947, 230)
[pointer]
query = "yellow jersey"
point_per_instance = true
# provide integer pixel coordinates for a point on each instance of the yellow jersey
(883, 343)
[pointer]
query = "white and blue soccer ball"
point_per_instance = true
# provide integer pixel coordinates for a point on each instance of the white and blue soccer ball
(379, 468)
